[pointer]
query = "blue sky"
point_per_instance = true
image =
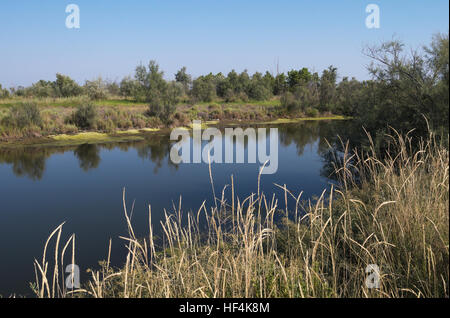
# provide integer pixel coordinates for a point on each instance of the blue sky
(205, 36)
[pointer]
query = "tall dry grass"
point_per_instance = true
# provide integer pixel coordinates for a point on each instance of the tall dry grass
(392, 212)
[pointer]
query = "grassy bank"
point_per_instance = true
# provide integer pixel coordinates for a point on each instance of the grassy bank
(392, 211)
(38, 120)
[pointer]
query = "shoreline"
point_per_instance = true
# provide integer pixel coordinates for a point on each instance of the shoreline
(138, 134)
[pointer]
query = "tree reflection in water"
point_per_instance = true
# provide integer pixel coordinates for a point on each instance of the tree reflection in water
(31, 161)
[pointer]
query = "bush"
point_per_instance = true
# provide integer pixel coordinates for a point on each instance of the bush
(85, 116)
(164, 105)
(96, 89)
(204, 89)
(258, 91)
(289, 102)
(66, 87)
(4, 93)
(312, 112)
(128, 87)
(23, 115)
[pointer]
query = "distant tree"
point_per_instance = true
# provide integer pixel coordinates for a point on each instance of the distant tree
(4, 93)
(113, 88)
(243, 82)
(259, 88)
(204, 88)
(233, 79)
(96, 89)
(19, 91)
(298, 78)
(164, 105)
(348, 96)
(269, 81)
(128, 87)
(43, 89)
(66, 87)
(280, 85)
(185, 79)
(151, 84)
(222, 85)
(327, 88)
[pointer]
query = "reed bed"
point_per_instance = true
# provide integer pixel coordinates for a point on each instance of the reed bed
(389, 210)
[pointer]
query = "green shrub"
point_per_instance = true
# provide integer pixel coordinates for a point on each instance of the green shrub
(85, 116)
(289, 102)
(106, 124)
(4, 93)
(23, 115)
(96, 89)
(312, 112)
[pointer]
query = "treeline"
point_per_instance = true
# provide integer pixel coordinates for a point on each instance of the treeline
(149, 84)
(405, 89)
(62, 87)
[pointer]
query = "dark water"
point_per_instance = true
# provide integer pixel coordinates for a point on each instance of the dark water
(42, 187)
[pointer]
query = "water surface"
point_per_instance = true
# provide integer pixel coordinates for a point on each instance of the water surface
(41, 187)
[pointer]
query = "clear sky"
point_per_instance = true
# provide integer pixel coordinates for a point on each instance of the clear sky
(203, 35)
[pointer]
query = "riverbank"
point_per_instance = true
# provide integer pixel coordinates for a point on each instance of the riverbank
(134, 134)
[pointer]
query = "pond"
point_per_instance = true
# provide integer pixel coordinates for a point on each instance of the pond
(41, 187)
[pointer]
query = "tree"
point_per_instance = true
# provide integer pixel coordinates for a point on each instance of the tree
(269, 81)
(128, 87)
(96, 89)
(280, 85)
(43, 89)
(298, 78)
(151, 84)
(327, 88)
(66, 87)
(259, 88)
(243, 83)
(113, 88)
(164, 106)
(233, 79)
(348, 96)
(185, 79)
(407, 87)
(204, 88)
(4, 93)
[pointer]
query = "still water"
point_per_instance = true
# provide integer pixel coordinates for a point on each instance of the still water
(41, 187)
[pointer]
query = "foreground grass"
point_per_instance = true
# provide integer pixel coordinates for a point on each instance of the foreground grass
(395, 216)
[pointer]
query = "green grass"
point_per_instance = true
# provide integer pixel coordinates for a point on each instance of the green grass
(119, 102)
(297, 120)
